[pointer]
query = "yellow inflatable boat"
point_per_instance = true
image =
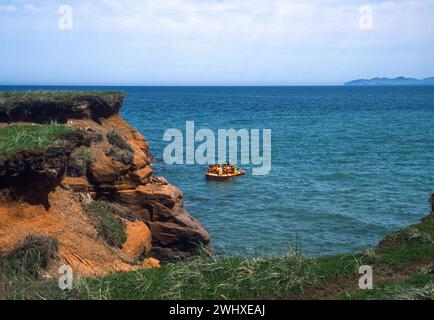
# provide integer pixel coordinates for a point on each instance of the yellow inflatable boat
(224, 176)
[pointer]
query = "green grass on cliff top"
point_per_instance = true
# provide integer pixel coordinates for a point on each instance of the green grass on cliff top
(19, 138)
(403, 269)
(10, 98)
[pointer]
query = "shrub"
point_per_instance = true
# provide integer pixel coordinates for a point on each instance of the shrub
(110, 226)
(125, 157)
(78, 162)
(117, 140)
(34, 254)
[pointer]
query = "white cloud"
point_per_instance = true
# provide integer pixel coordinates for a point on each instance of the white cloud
(254, 18)
(19, 5)
(266, 40)
(30, 8)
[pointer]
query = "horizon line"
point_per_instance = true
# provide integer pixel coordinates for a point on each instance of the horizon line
(169, 85)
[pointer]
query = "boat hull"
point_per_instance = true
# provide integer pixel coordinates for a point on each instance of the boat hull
(214, 176)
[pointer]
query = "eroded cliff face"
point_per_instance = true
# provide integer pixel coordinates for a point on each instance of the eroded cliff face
(104, 161)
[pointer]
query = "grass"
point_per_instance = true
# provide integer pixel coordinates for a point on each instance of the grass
(21, 268)
(15, 139)
(419, 286)
(110, 227)
(32, 255)
(207, 277)
(286, 276)
(10, 98)
(402, 270)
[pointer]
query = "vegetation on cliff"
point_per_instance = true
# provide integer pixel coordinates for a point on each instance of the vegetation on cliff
(32, 256)
(15, 139)
(9, 99)
(21, 268)
(59, 106)
(109, 225)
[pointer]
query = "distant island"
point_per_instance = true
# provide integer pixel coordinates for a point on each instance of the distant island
(399, 81)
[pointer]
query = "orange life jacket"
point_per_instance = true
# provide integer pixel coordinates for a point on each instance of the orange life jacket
(212, 169)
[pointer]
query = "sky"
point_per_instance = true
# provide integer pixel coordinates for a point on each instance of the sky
(213, 42)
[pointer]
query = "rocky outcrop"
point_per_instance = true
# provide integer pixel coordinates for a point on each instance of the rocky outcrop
(175, 233)
(33, 175)
(106, 160)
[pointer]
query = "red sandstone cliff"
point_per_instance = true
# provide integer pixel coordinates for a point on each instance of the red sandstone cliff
(105, 160)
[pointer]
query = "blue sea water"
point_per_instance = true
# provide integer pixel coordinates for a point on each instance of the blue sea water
(349, 164)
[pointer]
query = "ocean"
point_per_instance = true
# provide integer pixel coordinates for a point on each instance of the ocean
(349, 164)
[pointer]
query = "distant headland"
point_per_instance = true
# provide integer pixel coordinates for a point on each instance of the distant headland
(399, 81)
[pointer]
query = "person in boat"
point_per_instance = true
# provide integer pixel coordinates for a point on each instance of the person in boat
(225, 167)
(235, 169)
(213, 169)
(219, 169)
(228, 169)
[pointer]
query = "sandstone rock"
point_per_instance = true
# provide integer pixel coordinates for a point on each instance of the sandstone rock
(175, 234)
(151, 263)
(139, 238)
(105, 171)
(141, 174)
(78, 184)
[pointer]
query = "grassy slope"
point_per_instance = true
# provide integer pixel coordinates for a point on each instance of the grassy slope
(9, 98)
(402, 270)
(18, 138)
(399, 269)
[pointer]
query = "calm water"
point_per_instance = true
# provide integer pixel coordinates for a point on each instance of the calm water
(349, 165)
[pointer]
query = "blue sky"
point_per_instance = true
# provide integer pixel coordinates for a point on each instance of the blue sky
(213, 42)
